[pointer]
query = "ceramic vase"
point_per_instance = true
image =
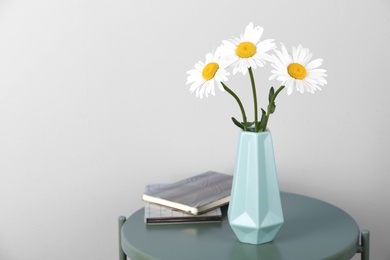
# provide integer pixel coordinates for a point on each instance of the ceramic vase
(255, 211)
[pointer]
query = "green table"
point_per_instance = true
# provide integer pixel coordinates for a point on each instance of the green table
(312, 230)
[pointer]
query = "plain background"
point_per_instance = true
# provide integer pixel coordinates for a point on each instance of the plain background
(94, 106)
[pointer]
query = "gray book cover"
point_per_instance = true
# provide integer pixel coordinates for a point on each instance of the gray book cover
(194, 195)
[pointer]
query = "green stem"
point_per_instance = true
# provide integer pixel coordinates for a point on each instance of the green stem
(269, 106)
(238, 101)
(254, 96)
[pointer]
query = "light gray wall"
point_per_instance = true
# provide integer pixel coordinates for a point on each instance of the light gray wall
(93, 106)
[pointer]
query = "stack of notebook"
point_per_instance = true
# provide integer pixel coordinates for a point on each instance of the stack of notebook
(194, 199)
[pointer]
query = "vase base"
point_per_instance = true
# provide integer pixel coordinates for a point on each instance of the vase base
(262, 235)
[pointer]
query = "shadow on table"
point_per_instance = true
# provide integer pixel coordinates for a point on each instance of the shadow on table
(247, 251)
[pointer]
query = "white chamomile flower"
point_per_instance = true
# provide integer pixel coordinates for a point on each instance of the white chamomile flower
(297, 71)
(206, 74)
(247, 51)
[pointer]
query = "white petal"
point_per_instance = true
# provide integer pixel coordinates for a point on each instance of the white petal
(288, 59)
(220, 87)
(289, 90)
(199, 66)
(228, 45)
(306, 59)
(196, 85)
(302, 55)
(295, 52)
(255, 35)
(252, 63)
(314, 64)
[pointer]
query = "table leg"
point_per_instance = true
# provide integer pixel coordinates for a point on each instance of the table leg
(121, 221)
(365, 245)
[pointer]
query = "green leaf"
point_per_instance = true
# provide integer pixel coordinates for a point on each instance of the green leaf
(271, 99)
(235, 121)
(272, 107)
(263, 114)
(262, 123)
(271, 94)
(248, 124)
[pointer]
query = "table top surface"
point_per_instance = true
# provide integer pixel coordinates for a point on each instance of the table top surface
(312, 229)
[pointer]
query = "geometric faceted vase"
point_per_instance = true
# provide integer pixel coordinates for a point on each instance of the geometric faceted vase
(255, 211)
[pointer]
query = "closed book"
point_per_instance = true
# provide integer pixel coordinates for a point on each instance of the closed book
(194, 195)
(156, 214)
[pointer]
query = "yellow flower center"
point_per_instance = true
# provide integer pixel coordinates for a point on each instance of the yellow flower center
(297, 71)
(209, 70)
(246, 50)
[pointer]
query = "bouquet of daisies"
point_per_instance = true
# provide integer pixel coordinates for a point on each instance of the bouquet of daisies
(294, 70)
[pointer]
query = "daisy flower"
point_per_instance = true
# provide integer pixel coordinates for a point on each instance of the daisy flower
(297, 71)
(247, 51)
(206, 74)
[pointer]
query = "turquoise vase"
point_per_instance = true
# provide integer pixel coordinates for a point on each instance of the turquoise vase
(255, 211)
